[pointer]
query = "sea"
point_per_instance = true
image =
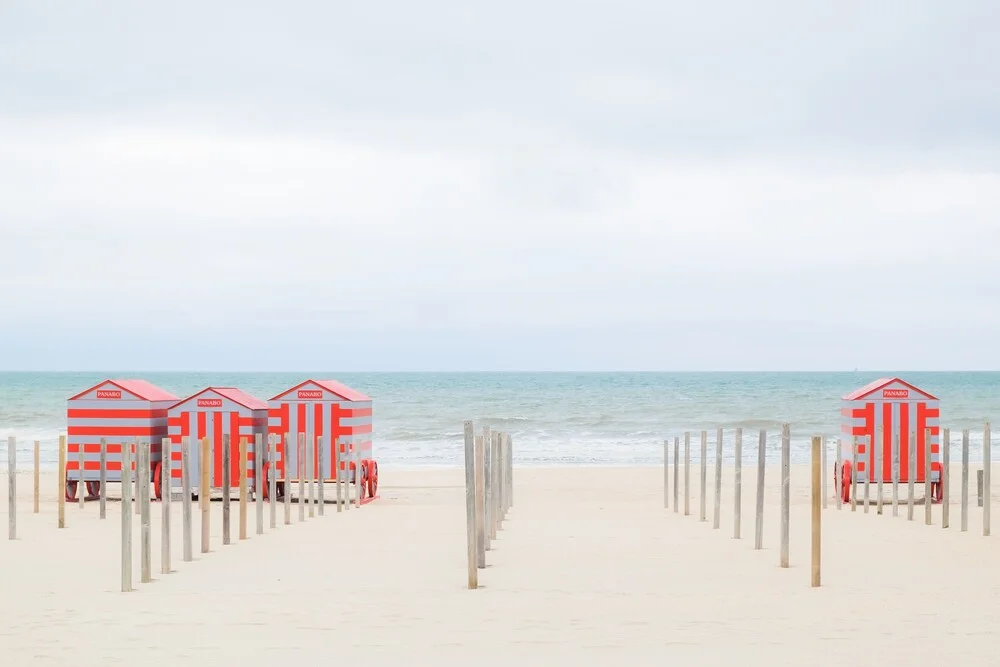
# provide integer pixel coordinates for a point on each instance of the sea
(555, 419)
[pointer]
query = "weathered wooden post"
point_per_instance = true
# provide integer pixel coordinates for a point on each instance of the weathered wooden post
(286, 464)
(759, 528)
(336, 473)
(126, 564)
(895, 474)
(186, 497)
(717, 513)
(311, 471)
(911, 476)
(945, 478)
(272, 480)
(103, 476)
(854, 474)
(227, 482)
(965, 480)
(687, 473)
(878, 468)
(704, 476)
(300, 456)
(12, 488)
(487, 483)
(167, 491)
(205, 494)
(987, 465)
(928, 518)
(61, 501)
(321, 476)
(145, 534)
(817, 514)
(838, 473)
(470, 507)
(738, 493)
(81, 486)
(243, 487)
(480, 506)
(258, 480)
(786, 446)
(677, 468)
(869, 458)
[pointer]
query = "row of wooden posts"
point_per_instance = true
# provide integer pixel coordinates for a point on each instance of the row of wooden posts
(817, 488)
(983, 475)
(819, 484)
(489, 492)
(313, 498)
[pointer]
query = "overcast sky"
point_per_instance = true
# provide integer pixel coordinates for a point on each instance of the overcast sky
(535, 185)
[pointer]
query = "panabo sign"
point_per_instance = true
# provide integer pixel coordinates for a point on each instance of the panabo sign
(895, 393)
(109, 394)
(209, 402)
(310, 394)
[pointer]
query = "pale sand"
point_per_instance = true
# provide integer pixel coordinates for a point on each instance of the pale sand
(589, 566)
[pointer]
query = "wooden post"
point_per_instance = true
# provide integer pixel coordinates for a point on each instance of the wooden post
(37, 480)
(243, 487)
(666, 474)
(759, 528)
(136, 477)
(321, 476)
(103, 475)
(186, 497)
(205, 493)
(677, 469)
(300, 468)
(487, 483)
(965, 480)
(704, 476)
(928, 517)
(823, 470)
(869, 466)
(126, 563)
(817, 514)
(336, 473)
(470, 507)
(166, 490)
(911, 477)
(878, 468)
(494, 486)
(61, 501)
(738, 493)
(786, 446)
(895, 474)
(286, 463)
(854, 474)
(311, 471)
(979, 487)
(687, 473)
(81, 486)
(838, 474)
(945, 477)
(480, 503)
(258, 484)
(227, 482)
(987, 465)
(145, 534)
(272, 480)
(717, 515)
(12, 488)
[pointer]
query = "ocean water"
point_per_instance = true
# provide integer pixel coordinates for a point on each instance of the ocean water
(554, 418)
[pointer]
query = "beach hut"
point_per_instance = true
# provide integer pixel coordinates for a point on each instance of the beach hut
(881, 414)
(326, 411)
(119, 411)
(212, 413)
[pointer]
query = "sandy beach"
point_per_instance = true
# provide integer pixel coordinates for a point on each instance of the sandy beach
(589, 567)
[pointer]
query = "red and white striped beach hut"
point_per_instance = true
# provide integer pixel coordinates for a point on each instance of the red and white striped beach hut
(212, 413)
(327, 411)
(891, 409)
(120, 411)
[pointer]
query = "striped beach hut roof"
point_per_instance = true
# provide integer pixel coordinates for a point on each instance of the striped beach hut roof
(141, 389)
(882, 383)
(332, 386)
(233, 394)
